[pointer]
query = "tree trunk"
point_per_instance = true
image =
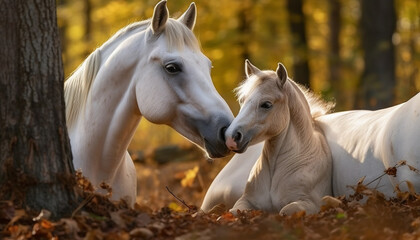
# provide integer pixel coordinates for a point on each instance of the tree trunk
(36, 168)
(334, 59)
(299, 42)
(378, 24)
(88, 27)
(244, 17)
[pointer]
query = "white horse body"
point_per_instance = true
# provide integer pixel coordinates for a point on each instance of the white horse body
(152, 69)
(366, 143)
(293, 172)
(362, 143)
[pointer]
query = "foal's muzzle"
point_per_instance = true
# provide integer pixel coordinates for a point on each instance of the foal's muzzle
(235, 140)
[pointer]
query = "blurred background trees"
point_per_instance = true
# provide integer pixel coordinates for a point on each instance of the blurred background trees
(361, 54)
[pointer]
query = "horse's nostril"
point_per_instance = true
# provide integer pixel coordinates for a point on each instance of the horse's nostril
(222, 133)
(237, 137)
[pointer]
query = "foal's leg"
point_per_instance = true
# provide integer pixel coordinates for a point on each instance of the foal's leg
(257, 191)
(242, 204)
(124, 185)
(229, 184)
(301, 205)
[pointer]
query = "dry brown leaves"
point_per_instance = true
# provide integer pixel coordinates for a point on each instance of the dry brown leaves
(339, 218)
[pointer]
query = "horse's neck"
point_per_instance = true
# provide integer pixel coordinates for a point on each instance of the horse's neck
(300, 113)
(297, 142)
(104, 128)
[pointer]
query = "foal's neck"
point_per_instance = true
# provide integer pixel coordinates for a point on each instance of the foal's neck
(297, 138)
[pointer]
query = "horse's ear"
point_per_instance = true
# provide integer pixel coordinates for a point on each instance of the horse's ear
(281, 74)
(160, 16)
(188, 18)
(250, 69)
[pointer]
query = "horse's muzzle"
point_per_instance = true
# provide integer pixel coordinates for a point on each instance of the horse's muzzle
(216, 151)
(236, 141)
(214, 137)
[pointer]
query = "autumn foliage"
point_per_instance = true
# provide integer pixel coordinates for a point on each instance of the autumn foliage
(365, 214)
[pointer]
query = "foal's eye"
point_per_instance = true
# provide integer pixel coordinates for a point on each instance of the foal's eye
(266, 105)
(172, 68)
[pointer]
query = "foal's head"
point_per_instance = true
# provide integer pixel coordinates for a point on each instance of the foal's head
(264, 107)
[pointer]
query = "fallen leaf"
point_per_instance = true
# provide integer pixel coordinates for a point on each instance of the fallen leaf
(46, 224)
(142, 233)
(391, 171)
(142, 219)
(228, 216)
(218, 209)
(416, 223)
(117, 219)
(44, 214)
(175, 207)
(329, 202)
(190, 176)
(17, 215)
(413, 169)
(341, 215)
(7, 210)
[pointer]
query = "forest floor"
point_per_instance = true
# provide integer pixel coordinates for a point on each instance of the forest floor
(159, 215)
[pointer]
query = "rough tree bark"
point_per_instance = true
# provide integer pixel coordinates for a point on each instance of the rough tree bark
(378, 23)
(36, 168)
(299, 42)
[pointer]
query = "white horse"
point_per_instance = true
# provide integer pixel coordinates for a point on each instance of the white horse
(152, 69)
(363, 144)
(293, 172)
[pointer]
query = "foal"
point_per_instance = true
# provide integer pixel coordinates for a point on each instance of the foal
(294, 171)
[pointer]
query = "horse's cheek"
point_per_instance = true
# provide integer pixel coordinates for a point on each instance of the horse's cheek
(156, 108)
(278, 122)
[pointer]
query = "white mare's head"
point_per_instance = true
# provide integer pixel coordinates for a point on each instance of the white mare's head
(174, 86)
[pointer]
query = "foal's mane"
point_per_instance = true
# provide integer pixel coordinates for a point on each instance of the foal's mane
(77, 86)
(317, 105)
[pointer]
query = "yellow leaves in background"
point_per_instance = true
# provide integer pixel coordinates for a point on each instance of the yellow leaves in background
(116, 14)
(265, 39)
(217, 54)
(75, 32)
(190, 176)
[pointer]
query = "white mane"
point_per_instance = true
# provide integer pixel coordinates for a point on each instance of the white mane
(77, 86)
(318, 106)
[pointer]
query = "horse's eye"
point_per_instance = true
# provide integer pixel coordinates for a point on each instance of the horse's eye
(172, 68)
(266, 105)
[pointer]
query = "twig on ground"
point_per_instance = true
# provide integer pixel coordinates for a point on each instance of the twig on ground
(390, 171)
(179, 199)
(82, 204)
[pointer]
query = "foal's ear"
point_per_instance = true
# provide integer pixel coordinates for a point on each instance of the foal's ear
(160, 16)
(188, 18)
(281, 74)
(250, 69)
